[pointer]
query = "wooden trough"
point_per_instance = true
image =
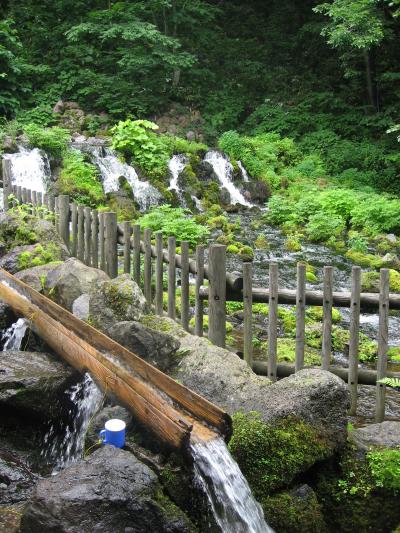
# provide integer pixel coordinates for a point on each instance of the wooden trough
(175, 414)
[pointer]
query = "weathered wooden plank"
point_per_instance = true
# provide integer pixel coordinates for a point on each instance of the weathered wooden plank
(7, 182)
(185, 285)
(217, 300)
(110, 243)
(273, 321)
(199, 307)
(171, 278)
(327, 318)
(248, 314)
(383, 336)
(159, 274)
(354, 337)
(147, 270)
(300, 315)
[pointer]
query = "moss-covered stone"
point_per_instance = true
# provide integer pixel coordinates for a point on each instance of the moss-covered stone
(293, 244)
(295, 511)
(272, 455)
(40, 255)
(365, 260)
(370, 281)
(261, 242)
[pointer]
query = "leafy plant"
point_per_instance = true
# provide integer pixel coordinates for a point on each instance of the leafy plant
(52, 140)
(391, 382)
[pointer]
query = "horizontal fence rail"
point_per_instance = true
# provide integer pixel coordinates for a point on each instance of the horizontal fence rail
(99, 241)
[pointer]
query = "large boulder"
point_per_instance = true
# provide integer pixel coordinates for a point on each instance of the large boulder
(111, 491)
(155, 347)
(36, 276)
(385, 434)
(71, 279)
(116, 300)
(30, 382)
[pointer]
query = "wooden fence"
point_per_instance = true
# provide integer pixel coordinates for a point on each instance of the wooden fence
(98, 240)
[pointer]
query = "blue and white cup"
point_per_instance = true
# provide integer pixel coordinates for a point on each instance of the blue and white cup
(114, 433)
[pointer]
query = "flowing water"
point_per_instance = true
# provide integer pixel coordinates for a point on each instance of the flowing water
(14, 335)
(234, 508)
(65, 445)
(111, 169)
(176, 165)
(30, 169)
(245, 175)
(224, 171)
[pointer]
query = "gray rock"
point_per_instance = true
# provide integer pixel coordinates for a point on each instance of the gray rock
(36, 277)
(191, 136)
(315, 396)
(157, 348)
(7, 316)
(256, 191)
(386, 434)
(391, 261)
(224, 196)
(30, 382)
(391, 237)
(116, 300)
(70, 280)
(109, 492)
(80, 307)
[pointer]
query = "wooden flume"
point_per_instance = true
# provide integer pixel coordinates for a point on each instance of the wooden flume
(171, 411)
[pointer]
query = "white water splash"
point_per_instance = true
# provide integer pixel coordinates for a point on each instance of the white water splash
(111, 169)
(224, 171)
(197, 203)
(30, 169)
(234, 508)
(245, 175)
(66, 446)
(14, 335)
(176, 165)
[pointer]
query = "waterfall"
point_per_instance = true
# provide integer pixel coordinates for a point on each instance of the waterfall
(224, 171)
(245, 175)
(14, 335)
(176, 166)
(234, 508)
(30, 169)
(111, 169)
(66, 445)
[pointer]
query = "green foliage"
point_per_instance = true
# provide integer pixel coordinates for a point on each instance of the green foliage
(174, 222)
(391, 382)
(385, 468)
(52, 140)
(321, 228)
(80, 180)
(40, 255)
(270, 456)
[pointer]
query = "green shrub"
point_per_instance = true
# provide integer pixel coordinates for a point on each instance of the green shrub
(321, 227)
(54, 140)
(174, 222)
(80, 180)
(385, 468)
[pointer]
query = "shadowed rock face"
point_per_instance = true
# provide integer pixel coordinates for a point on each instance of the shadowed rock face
(111, 491)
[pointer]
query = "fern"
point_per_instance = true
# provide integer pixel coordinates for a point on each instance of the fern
(391, 382)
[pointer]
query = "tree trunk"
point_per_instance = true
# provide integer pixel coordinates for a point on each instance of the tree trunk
(368, 74)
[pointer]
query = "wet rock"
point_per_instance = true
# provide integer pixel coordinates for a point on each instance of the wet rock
(224, 196)
(10, 518)
(70, 280)
(114, 301)
(391, 261)
(205, 172)
(36, 277)
(9, 146)
(80, 307)
(258, 191)
(155, 347)
(30, 382)
(108, 492)
(386, 434)
(16, 479)
(7, 316)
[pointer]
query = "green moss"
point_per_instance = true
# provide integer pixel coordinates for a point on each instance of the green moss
(272, 455)
(246, 253)
(293, 244)
(370, 281)
(365, 260)
(316, 313)
(288, 513)
(228, 325)
(233, 249)
(394, 354)
(40, 255)
(261, 242)
(286, 352)
(368, 349)
(311, 277)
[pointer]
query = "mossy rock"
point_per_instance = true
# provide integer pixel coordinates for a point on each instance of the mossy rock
(311, 277)
(286, 352)
(364, 260)
(261, 242)
(370, 281)
(272, 455)
(246, 253)
(292, 244)
(294, 511)
(316, 313)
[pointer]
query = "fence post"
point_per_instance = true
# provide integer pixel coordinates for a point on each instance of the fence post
(171, 277)
(63, 208)
(300, 315)
(25, 196)
(127, 247)
(136, 253)
(7, 180)
(185, 285)
(88, 227)
(199, 307)
(81, 233)
(327, 318)
(56, 210)
(74, 228)
(159, 273)
(51, 199)
(382, 344)
(19, 193)
(95, 238)
(111, 243)
(273, 321)
(354, 337)
(248, 313)
(217, 295)
(147, 264)
(34, 204)
(101, 243)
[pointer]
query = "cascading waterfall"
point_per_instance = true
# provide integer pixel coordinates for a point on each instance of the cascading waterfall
(111, 169)
(224, 171)
(234, 508)
(29, 168)
(245, 175)
(66, 445)
(14, 335)
(176, 165)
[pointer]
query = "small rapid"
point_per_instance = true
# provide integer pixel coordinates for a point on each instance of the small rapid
(30, 169)
(234, 508)
(176, 166)
(14, 335)
(224, 172)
